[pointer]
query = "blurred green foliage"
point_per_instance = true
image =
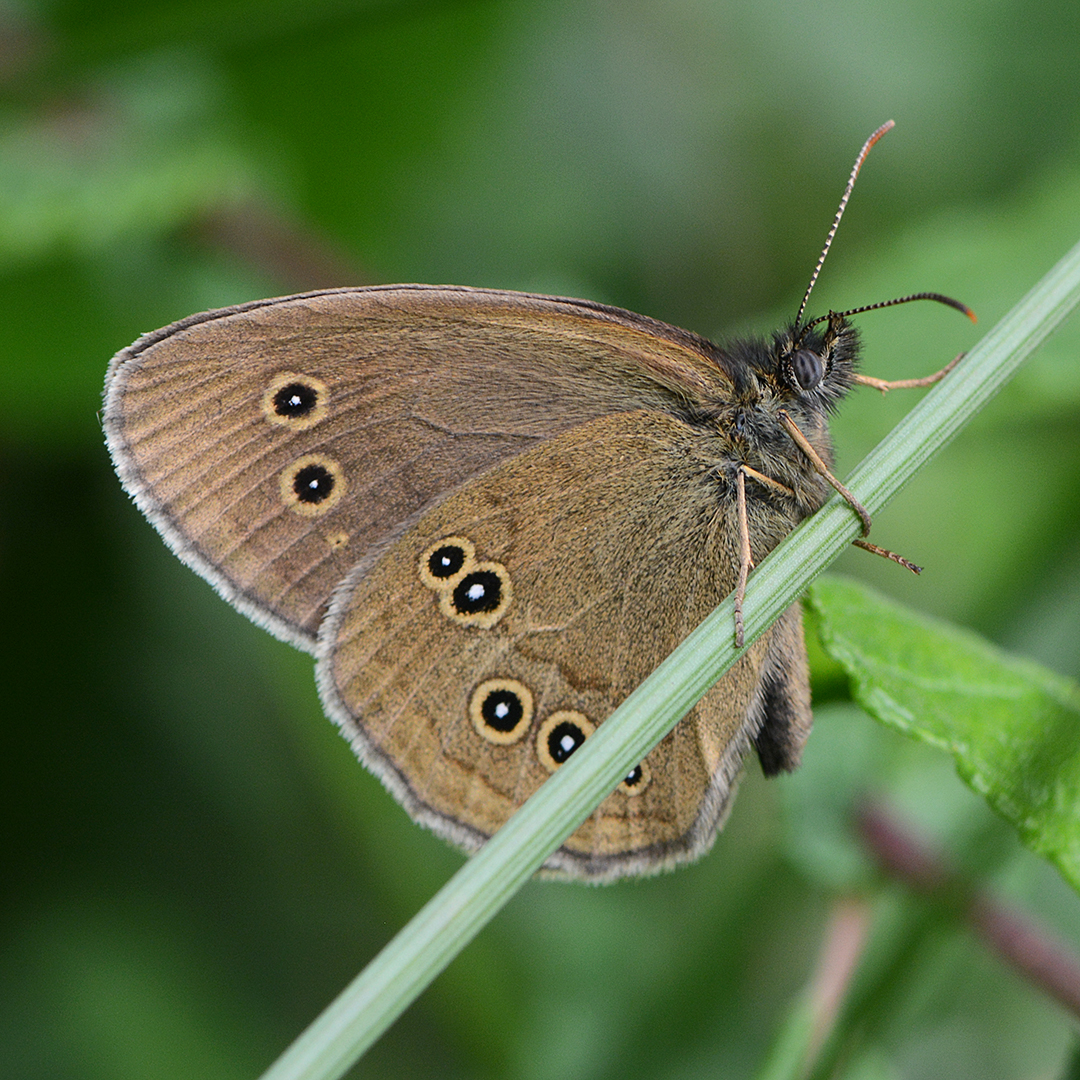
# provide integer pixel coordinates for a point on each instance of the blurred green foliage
(193, 863)
(1012, 726)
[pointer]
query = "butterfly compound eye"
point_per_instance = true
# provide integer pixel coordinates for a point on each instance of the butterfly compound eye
(808, 368)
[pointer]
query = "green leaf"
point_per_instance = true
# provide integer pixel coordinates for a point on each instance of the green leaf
(1012, 726)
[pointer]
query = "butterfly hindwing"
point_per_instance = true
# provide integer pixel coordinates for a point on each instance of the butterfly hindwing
(537, 594)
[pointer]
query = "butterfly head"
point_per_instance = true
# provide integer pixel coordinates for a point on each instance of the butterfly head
(805, 372)
(815, 366)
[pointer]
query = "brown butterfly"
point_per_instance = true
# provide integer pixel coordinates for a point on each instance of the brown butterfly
(490, 515)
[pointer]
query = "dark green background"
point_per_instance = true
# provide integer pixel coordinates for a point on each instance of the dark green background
(193, 863)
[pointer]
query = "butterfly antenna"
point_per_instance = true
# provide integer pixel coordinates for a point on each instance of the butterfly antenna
(839, 214)
(937, 297)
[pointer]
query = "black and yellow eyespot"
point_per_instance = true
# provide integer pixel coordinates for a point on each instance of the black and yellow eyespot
(501, 710)
(560, 735)
(636, 780)
(295, 401)
(479, 597)
(312, 484)
(443, 563)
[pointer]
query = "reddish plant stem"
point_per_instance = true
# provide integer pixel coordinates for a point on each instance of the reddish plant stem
(845, 940)
(1013, 936)
(277, 246)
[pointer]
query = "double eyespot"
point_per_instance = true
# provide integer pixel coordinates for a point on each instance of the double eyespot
(471, 592)
(474, 592)
(313, 483)
(502, 712)
(564, 731)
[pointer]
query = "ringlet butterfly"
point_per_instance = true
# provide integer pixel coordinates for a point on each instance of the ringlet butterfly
(489, 515)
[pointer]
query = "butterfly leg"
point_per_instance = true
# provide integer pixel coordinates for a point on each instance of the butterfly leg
(803, 444)
(885, 553)
(746, 560)
(908, 384)
(815, 458)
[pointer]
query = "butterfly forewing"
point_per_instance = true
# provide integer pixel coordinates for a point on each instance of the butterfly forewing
(278, 445)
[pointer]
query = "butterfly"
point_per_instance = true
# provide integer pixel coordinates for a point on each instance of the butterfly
(489, 515)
